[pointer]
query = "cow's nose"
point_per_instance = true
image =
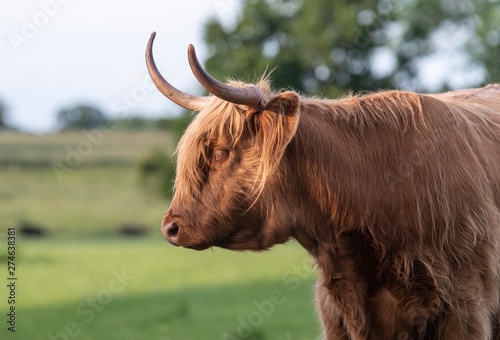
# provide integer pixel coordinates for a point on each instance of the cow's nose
(171, 231)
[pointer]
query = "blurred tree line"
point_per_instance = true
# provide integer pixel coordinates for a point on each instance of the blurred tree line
(325, 47)
(3, 116)
(86, 117)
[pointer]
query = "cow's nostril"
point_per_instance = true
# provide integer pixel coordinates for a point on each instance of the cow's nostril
(172, 229)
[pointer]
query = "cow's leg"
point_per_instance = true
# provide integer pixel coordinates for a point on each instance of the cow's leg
(342, 293)
(331, 318)
(343, 309)
(473, 308)
(496, 326)
(469, 315)
(419, 300)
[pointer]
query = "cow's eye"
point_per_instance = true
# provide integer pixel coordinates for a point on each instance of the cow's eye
(219, 155)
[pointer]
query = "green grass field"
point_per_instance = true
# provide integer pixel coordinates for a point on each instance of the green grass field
(84, 281)
(99, 193)
(111, 288)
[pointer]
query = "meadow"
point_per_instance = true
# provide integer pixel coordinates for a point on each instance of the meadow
(84, 280)
(69, 184)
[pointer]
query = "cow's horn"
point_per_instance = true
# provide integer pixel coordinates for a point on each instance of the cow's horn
(190, 102)
(249, 95)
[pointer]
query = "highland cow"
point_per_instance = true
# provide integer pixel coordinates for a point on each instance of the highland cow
(395, 195)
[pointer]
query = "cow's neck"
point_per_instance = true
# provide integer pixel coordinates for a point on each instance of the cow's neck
(328, 154)
(333, 231)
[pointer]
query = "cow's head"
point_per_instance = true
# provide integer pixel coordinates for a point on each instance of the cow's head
(232, 187)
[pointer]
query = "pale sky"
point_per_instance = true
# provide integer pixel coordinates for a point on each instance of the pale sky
(58, 53)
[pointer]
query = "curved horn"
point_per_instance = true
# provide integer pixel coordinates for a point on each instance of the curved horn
(187, 101)
(249, 95)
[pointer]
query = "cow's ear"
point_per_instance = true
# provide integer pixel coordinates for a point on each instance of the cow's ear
(287, 103)
(279, 116)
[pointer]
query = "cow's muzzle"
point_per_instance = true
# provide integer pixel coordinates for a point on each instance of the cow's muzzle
(177, 231)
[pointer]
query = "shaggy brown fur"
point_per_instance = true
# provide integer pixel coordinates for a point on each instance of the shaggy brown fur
(396, 196)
